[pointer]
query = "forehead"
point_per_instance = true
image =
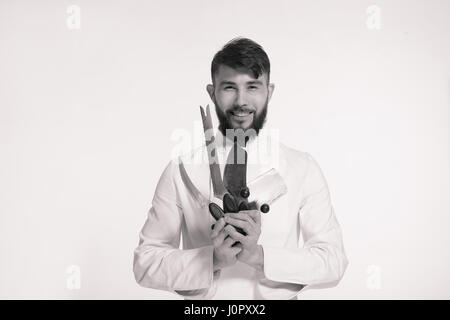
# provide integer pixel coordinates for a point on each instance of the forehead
(239, 76)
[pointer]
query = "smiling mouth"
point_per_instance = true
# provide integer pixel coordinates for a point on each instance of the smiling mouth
(241, 114)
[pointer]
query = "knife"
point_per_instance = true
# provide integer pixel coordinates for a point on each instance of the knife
(217, 182)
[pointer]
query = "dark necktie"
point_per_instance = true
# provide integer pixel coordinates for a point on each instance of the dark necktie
(235, 179)
(235, 173)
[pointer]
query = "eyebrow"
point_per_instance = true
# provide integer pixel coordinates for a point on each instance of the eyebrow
(254, 82)
(222, 83)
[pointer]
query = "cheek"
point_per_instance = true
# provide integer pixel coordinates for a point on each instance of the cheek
(259, 101)
(225, 100)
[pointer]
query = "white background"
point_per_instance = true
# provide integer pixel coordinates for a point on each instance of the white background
(87, 115)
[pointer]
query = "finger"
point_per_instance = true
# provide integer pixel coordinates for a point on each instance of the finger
(218, 226)
(242, 215)
(236, 236)
(228, 242)
(244, 225)
(256, 215)
(236, 250)
(220, 239)
(238, 245)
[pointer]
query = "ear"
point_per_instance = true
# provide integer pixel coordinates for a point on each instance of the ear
(271, 88)
(210, 89)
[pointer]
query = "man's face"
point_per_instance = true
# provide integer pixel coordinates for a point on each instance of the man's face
(241, 100)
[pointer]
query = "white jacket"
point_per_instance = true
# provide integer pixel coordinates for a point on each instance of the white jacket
(301, 238)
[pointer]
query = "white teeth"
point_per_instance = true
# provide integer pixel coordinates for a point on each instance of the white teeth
(241, 114)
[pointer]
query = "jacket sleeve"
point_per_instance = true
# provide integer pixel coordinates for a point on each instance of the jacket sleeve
(322, 259)
(159, 263)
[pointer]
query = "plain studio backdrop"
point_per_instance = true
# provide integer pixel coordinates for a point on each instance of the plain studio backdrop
(93, 92)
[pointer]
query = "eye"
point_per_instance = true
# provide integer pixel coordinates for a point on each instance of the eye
(228, 88)
(253, 87)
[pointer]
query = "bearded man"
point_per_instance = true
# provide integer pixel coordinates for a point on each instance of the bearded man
(252, 252)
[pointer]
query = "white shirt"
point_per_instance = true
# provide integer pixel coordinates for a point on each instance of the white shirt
(300, 236)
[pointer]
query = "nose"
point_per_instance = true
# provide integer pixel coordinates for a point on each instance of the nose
(241, 98)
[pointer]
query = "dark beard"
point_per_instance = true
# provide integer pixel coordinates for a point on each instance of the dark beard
(257, 123)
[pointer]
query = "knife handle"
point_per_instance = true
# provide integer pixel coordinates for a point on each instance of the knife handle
(229, 203)
(215, 211)
(218, 213)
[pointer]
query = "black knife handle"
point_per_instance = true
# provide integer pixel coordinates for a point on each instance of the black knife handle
(218, 213)
(215, 211)
(229, 203)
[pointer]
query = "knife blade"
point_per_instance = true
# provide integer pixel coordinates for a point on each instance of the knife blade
(216, 178)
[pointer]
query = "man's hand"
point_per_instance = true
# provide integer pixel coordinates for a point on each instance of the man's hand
(224, 254)
(250, 222)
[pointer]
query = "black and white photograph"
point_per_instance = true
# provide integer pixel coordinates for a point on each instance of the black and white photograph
(224, 150)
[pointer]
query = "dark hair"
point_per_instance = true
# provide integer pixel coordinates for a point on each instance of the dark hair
(242, 53)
